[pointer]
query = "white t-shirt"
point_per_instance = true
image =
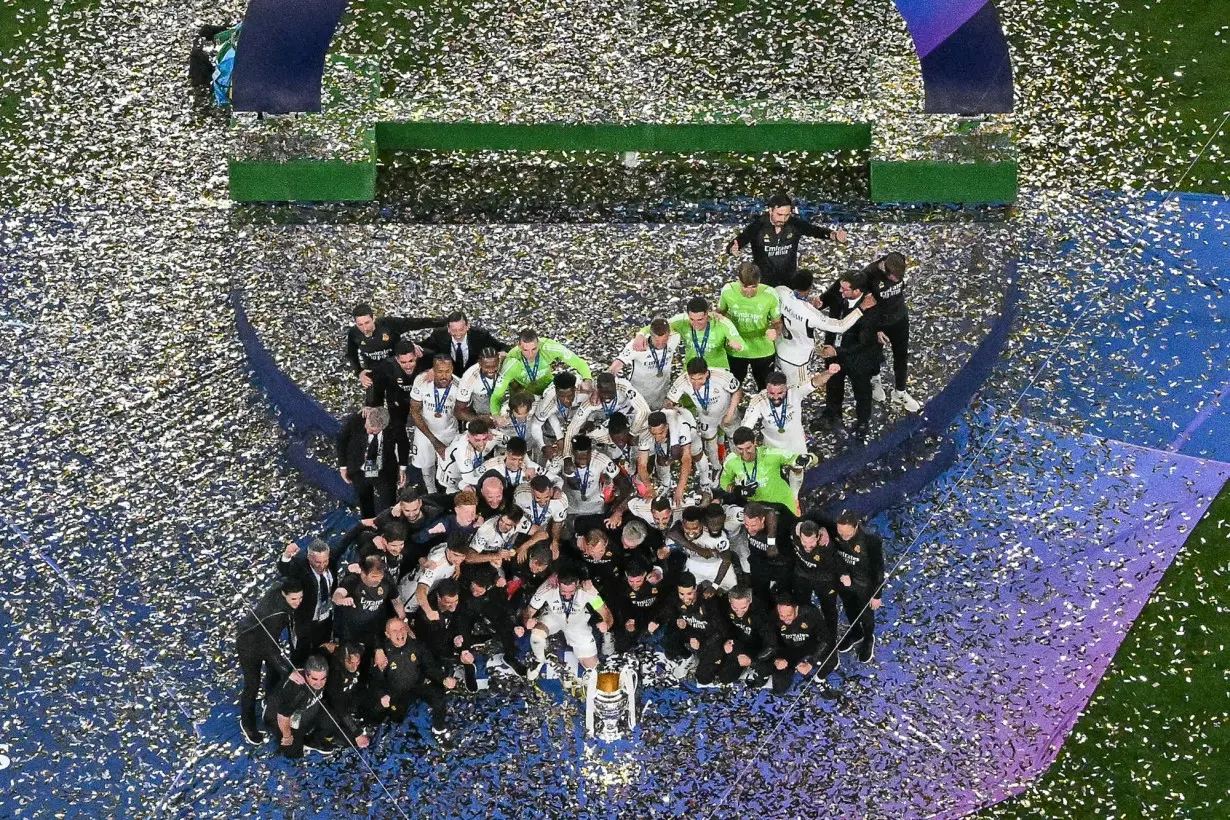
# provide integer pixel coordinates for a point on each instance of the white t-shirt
(782, 425)
(429, 577)
(556, 509)
(680, 430)
(516, 478)
(461, 465)
(650, 371)
(475, 389)
(586, 499)
(490, 539)
(437, 400)
(711, 401)
(801, 322)
(550, 411)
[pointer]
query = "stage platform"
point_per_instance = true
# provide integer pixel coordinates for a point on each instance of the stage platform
(909, 157)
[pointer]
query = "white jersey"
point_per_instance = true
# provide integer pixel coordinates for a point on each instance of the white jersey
(547, 601)
(584, 487)
(490, 539)
(475, 389)
(681, 430)
(437, 570)
(707, 569)
(623, 456)
(782, 425)
(552, 413)
(650, 370)
(438, 404)
(462, 465)
(529, 429)
(801, 322)
(594, 409)
(556, 509)
(712, 401)
(514, 478)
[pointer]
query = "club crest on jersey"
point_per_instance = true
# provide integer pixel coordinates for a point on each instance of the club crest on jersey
(380, 590)
(413, 657)
(858, 548)
(803, 626)
(384, 337)
(768, 238)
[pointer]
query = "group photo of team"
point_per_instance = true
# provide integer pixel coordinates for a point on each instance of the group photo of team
(517, 501)
(614, 411)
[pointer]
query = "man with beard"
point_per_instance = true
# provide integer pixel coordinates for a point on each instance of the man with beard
(751, 640)
(886, 279)
(774, 240)
(694, 628)
(485, 615)
(432, 399)
(408, 673)
(371, 339)
(634, 600)
(297, 711)
(768, 530)
(799, 646)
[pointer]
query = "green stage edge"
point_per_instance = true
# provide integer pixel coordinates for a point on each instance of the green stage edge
(303, 181)
(688, 138)
(970, 183)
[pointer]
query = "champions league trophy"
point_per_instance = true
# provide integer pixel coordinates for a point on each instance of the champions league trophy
(610, 704)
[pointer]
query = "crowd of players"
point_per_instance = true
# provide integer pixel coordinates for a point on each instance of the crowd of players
(511, 496)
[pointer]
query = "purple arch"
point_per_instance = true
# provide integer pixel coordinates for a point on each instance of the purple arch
(964, 55)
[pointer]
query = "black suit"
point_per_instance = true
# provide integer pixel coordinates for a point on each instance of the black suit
(476, 339)
(859, 355)
(388, 451)
(312, 633)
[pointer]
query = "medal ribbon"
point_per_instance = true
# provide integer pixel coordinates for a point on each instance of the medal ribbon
(701, 346)
(780, 422)
(533, 372)
(666, 356)
(440, 400)
(705, 401)
(751, 477)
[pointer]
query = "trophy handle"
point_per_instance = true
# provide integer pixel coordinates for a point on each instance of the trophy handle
(627, 682)
(591, 687)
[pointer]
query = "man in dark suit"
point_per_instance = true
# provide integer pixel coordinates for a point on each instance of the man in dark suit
(316, 569)
(372, 458)
(460, 341)
(858, 351)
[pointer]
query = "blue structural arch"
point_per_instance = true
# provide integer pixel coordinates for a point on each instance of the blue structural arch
(964, 54)
(280, 59)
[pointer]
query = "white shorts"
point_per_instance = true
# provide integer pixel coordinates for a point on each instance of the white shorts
(796, 374)
(422, 454)
(579, 636)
